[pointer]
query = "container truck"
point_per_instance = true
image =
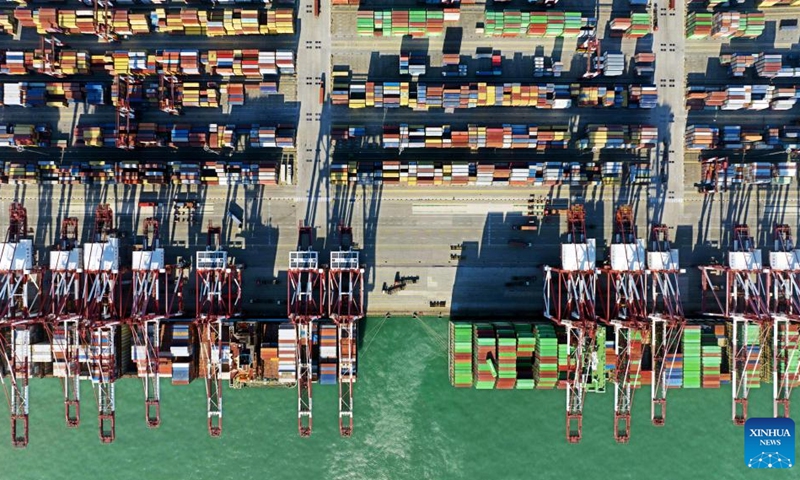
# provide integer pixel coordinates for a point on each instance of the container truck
(516, 243)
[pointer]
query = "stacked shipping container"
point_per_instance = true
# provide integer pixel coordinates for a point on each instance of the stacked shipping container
(421, 96)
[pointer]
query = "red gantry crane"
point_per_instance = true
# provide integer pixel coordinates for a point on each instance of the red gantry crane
(49, 54)
(63, 312)
(19, 315)
(306, 304)
(345, 308)
(151, 303)
(591, 49)
(667, 318)
(741, 299)
(714, 176)
(103, 18)
(569, 294)
(101, 314)
(218, 298)
(626, 310)
(123, 88)
(785, 307)
(169, 97)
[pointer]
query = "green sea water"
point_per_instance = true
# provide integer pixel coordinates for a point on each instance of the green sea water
(409, 424)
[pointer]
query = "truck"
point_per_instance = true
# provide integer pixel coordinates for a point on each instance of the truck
(531, 226)
(516, 243)
(557, 206)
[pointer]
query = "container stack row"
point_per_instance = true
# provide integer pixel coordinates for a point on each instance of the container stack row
(636, 26)
(476, 136)
(82, 22)
(413, 63)
(563, 365)
(460, 173)
(780, 3)
(24, 135)
(767, 65)
(526, 349)
(644, 63)
(613, 64)
(741, 97)
(723, 25)
(175, 21)
(77, 172)
(692, 358)
(673, 365)
(738, 137)
(67, 94)
(619, 137)
(50, 94)
(287, 365)
(513, 23)
(417, 22)
(184, 365)
(422, 96)
(184, 135)
(66, 62)
(327, 355)
(712, 361)
(484, 357)
(250, 63)
(461, 354)
(344, 354)
(545, 368)
(756, 173)
(7, 24)
(506, 356)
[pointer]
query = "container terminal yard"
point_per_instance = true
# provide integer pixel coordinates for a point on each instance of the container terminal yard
(231, 194)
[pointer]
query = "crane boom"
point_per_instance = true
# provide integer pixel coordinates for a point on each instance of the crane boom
(626, 311)
(569, 294)
(19, 315)
(345, 308)
(305, 305)
(666, 319)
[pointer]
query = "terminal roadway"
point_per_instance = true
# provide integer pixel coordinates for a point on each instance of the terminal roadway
(409, 231)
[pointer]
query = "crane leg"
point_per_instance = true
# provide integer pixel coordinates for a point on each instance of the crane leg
(107, 427)
(739, 411)
(574, 427)
(622, 427)
(659, 411)
(19, 430)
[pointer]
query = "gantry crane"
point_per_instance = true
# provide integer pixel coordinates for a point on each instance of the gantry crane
(218, 298)
(124, 86)
(103, 18)
(626, 310)
(784, 262)
(714, 175)
(151, 303)
(49, 52)
(591, 49)
(741, 299)
(19, 315)
(101, 315)
(169, 96)
(305, 305)
(63, 309)
(569, 294)
(345, 308)
(667, 319)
